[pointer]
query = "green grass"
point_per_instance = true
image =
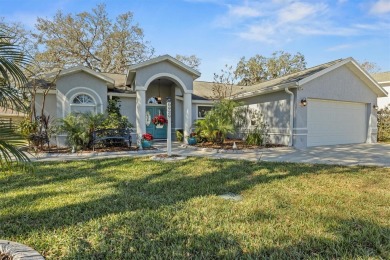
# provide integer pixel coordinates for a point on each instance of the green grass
(138, 208)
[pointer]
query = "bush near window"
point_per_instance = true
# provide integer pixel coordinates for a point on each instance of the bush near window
(218, 122)
(114, 117)
(384, 124)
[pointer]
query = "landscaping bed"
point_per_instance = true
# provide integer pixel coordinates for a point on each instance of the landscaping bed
(66, 150)
(228, 145)
(137, 208)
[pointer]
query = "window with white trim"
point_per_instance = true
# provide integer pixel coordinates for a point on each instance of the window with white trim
(202, 111)
(83, 103)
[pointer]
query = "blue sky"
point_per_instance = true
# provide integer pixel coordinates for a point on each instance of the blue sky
(222, 31)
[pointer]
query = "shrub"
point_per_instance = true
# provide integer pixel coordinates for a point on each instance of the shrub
(258, 135)
(179, 135)
(114, 118)
(384, 124)
(76, 128)
(218, 122)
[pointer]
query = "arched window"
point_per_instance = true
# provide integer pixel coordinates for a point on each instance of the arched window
(83, 103)
(83, 99)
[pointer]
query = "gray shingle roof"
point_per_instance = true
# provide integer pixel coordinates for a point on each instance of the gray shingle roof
(204, 89)
(382, 76)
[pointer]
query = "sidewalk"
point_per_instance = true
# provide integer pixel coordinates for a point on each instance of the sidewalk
(359, 154)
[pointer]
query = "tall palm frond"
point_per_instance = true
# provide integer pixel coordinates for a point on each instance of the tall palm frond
(12, 59)
(10, 141)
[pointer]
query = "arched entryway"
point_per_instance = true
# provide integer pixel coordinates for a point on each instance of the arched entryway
(176, 77)
(161, 87)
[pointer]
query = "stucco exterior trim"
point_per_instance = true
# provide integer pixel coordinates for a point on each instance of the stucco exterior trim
(172, 77)
(78, 91)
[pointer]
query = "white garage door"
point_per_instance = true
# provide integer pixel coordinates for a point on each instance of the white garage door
(335, 122)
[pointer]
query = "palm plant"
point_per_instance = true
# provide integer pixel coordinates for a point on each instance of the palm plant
(76, 129)
(218, 122)
(11, 78)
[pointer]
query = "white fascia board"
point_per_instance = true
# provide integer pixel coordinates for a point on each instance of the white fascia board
(84, 69)
(263, 91)
(114, 94)
(202, 102)
(323, 72)
(165, 58)
(372, 83)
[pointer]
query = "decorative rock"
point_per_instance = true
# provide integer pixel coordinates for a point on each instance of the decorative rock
(19, 251)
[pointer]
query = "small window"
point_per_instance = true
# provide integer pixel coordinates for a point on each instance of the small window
(202, 111)
(83, 99)
(83, 103)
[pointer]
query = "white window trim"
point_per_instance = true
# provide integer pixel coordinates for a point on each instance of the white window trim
(197, 110)
(94, 105)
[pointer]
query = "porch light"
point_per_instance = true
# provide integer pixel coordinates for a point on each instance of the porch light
(159, 94)
(304, 102)
(375, 107)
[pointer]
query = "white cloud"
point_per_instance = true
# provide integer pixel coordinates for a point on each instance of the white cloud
(281, 21)
(340, 47)
(298, 11)
(259, 33)
(380, 7)
(244, 11)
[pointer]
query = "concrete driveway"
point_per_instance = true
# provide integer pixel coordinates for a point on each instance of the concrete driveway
(356, 154)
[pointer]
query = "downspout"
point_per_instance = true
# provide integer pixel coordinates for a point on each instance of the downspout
(290, 143)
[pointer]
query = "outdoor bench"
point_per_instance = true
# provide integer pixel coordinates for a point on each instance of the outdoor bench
(111, 137)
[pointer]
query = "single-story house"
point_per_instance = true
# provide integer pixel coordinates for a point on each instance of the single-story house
(383, 78)
(333, 103)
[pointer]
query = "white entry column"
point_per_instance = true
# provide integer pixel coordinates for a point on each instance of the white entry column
(187, 113)
(140, 112)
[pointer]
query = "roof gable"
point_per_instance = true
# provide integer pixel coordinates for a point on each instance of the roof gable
(78, 69)
(132, 69)
(356, 69)
(302, 77)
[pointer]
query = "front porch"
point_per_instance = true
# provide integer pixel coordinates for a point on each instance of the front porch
(155, 81)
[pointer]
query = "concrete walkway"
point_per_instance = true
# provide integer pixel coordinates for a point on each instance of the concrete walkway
(358, 154)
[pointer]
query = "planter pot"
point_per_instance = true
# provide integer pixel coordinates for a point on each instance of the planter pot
(159, 126)
(146, 144)
(191, 140)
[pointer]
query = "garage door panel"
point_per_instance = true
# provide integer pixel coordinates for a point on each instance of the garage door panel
(335, 122)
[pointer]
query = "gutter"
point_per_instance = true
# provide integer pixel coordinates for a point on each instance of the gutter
(290, 142)
(263, 91)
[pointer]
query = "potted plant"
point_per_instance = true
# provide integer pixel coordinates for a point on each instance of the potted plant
(191, 139)
(159, 121)
(146, 140)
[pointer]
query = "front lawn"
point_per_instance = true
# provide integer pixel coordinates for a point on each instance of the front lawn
(138, 208)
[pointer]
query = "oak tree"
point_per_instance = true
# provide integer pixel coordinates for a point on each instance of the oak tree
(93, 40)
(259, 68)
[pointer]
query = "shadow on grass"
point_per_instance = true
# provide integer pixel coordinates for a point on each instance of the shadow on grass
(355, 238)
(168, 185)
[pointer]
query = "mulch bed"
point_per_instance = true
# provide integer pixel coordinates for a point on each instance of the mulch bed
(54, 149)
(228, 145)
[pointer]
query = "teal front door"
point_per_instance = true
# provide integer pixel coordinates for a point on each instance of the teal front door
(158, 132)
